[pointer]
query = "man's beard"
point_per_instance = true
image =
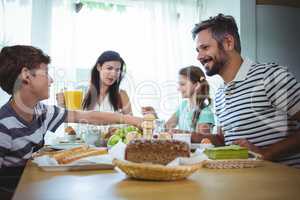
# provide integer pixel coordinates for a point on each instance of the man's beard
(218, 64)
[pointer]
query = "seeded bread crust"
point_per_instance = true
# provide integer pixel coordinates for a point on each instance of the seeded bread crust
(156, 151)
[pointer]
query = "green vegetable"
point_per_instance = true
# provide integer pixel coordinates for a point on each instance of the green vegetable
(114, 139)
(130, 129)
(121, 133)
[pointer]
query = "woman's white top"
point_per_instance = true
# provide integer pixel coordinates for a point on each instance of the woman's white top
(105, 105)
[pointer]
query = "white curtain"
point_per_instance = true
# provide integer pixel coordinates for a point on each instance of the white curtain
(15, 27)
(153, 37)
(15, 22)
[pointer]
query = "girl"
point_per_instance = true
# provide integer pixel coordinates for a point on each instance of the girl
(194, 113)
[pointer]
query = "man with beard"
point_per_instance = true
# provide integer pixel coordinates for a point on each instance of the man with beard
(258, 106)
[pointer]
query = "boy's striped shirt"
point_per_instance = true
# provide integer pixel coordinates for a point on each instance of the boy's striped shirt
(19, 139)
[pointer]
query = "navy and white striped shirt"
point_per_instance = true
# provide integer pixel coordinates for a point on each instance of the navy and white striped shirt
(19, 139)
(258, 105)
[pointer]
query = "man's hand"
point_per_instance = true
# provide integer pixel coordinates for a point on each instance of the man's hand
(197, 137)
(249, 145)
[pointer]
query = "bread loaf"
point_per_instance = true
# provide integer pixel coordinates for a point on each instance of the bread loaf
(68, 156)
(156, 151)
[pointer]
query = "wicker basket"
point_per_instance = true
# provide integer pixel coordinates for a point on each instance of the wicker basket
(255, 161)
(233, 163)
(155, 172)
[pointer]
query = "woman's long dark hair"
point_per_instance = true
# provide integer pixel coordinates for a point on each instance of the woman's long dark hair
(93, 93)
(195, 74)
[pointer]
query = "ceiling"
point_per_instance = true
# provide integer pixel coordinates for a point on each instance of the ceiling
(290, 3)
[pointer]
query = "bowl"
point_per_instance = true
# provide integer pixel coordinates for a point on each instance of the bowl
(91, 136)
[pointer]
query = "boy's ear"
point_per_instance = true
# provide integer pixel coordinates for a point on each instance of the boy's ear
(25, 75)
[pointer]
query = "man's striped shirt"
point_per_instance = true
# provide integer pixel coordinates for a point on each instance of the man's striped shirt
(19, 139)
(258, 105)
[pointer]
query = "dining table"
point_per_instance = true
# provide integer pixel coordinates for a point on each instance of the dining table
(270, 181)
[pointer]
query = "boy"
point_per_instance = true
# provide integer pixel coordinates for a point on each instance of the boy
(24, 120)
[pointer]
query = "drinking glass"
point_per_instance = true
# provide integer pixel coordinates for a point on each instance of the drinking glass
(73, 99)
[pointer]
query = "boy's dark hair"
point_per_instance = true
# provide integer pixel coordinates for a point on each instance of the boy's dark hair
(13, 59)
(220, 26)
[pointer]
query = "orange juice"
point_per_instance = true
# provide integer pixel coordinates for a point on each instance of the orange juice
(73, 99)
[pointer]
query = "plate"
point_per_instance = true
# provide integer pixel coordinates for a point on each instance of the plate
(101, 128)
(77, 167)
(64, 141)
(201, 146)
(64, 146)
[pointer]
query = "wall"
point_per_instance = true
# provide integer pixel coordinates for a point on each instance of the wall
(278, 31)
(214, 7)
(268, 33)
(4, 97)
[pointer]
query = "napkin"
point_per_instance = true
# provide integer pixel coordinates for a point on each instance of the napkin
(197, 157)
(45, 161)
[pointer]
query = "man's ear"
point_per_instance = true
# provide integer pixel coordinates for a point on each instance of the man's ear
(228, 42)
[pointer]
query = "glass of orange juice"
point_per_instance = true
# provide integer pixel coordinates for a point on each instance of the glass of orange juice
(73, 99)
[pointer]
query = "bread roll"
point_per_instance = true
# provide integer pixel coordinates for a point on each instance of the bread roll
(70, 131)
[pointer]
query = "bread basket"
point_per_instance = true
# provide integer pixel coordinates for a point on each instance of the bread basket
(144, 171)
(232, 164)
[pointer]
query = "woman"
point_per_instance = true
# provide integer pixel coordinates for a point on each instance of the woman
(194, 113)
(103, 93)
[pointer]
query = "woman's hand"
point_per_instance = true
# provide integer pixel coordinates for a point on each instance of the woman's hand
(60, 99)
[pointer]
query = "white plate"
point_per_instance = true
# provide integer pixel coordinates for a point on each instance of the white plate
(201, 146)
(77, 167)
(101, 128)
(64, 146)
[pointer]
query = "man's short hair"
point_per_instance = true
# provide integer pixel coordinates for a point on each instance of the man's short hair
(13, 59)
(220, 26)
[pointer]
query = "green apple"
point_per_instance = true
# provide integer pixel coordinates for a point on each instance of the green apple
(114, 139)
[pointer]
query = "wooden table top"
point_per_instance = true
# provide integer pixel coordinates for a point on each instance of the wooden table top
(271, 181)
